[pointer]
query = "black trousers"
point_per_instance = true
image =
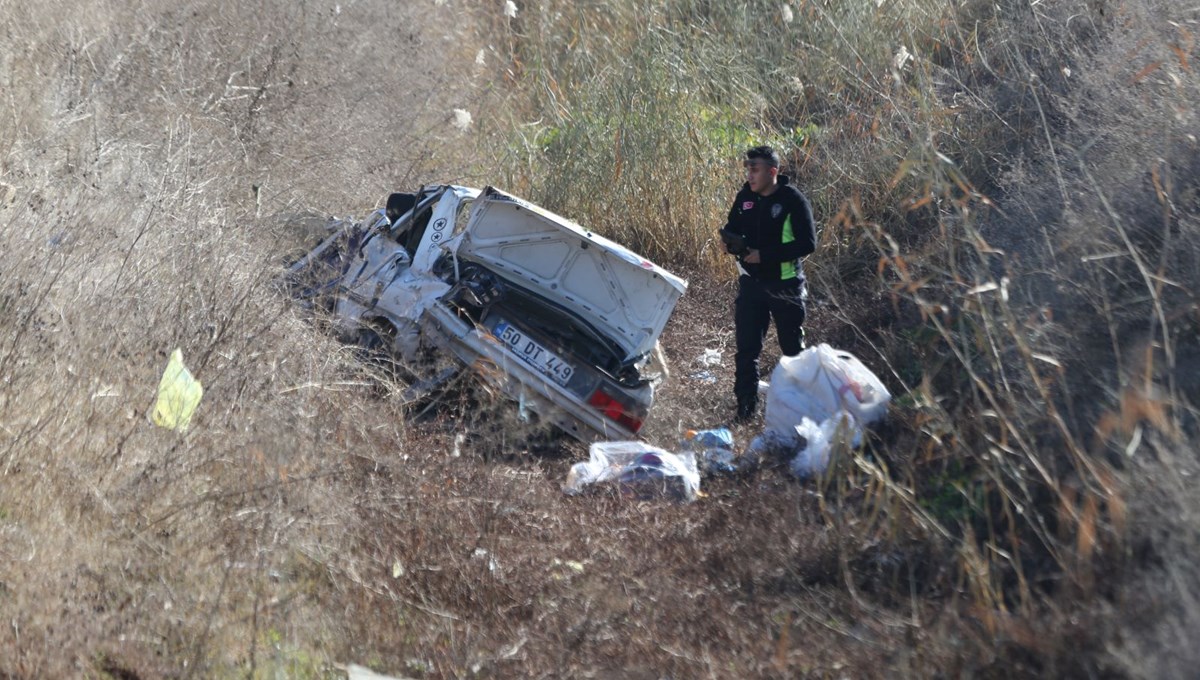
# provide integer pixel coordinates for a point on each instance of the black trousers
(757, 303)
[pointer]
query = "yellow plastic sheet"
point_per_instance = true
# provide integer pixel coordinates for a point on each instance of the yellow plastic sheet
(178, 395)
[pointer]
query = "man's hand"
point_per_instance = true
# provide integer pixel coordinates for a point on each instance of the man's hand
(751, 256)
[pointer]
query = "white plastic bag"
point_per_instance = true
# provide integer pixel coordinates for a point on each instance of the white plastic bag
(813, 459)
(640, 469)
(812, 393)
(819, 382)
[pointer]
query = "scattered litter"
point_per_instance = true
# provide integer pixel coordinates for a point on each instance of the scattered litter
(356, 672)
(718, 462)
(704, 377)
(640, 470)
(523, 413)
(397, 569)
(178, 395)
(819, 438)
(654, 475)
(720, 437)
(461, 119)
(106, 391)
(770, 449)
(713, 450)
(819, 382)
(510, 9)
(816, 398)
(565, 568)
(492, 565)
(573, 565)
(711, 357)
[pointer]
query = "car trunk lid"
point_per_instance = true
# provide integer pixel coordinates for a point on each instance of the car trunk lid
(611, 287)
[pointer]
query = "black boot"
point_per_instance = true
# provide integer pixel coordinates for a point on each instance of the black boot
(746, 409)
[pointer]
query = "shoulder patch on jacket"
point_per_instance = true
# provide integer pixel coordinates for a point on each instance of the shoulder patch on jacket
(776, 209)
(747, 205)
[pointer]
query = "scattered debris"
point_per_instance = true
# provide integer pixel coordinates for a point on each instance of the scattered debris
(492, 565)
(461, 119)
(771, 449)
(815, 399)
(564, 569)
(356, 672)
(178, 395)
(713, 449)
(640, 471)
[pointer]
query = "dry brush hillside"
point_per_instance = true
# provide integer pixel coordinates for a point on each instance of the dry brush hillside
(153, 157)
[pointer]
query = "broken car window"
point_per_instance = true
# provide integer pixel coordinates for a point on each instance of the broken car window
(462, 217)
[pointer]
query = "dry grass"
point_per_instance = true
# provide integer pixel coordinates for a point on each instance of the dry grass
(1025, 513)
(150, 150)
(1009, 235)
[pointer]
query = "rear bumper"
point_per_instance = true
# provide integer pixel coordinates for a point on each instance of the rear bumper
(493, 363)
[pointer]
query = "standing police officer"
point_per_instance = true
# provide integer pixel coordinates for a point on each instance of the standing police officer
(770, 228)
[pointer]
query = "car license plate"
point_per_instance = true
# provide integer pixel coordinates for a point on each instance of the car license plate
(532, 353)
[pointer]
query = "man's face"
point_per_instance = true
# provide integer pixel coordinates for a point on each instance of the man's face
(760, 174)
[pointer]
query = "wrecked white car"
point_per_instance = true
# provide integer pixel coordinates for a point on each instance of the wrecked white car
(561, 320)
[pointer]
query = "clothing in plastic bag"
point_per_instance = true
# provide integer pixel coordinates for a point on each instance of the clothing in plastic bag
(812, 393)
(639, 470)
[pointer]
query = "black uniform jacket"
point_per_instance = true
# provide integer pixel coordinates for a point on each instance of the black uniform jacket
(779, 226)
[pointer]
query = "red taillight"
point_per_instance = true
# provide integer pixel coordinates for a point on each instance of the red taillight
(614, 410)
